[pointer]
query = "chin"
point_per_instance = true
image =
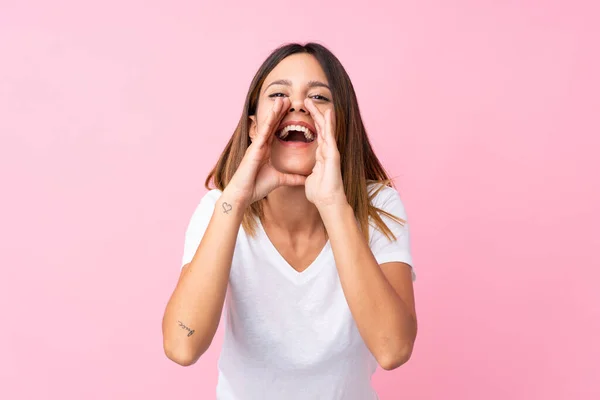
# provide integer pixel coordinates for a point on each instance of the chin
(293, 165)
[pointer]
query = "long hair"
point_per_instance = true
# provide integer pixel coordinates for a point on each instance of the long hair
(359, 165)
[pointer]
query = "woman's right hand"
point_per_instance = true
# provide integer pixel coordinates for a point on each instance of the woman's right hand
(256, 177)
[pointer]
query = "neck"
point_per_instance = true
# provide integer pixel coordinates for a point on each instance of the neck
(287, 209)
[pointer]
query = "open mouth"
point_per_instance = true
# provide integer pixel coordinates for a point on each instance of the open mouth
(296, 133)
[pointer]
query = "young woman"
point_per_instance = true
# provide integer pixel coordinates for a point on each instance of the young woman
(304, 238)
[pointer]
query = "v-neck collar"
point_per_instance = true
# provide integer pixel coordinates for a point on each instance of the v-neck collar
(284, 266)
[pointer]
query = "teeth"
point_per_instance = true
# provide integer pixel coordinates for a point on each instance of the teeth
(285, 131)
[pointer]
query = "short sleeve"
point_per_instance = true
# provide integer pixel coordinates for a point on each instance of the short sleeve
(198, 223)
(384, 249)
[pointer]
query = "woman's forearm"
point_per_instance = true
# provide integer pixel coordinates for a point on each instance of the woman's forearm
(193, 312)
(382, 317)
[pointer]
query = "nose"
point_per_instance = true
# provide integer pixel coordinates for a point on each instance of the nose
(297, 105)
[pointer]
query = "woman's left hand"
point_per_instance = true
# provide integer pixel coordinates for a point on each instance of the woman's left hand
(324, 186)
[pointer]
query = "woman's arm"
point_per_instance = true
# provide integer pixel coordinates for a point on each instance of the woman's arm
(193, 312)
(381, 299)
(194, 309)
(382, 303)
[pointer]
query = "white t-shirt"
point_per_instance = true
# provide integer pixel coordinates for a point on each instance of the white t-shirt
(290, 335)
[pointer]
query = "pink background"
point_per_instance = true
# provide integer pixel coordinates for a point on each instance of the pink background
(486, 112)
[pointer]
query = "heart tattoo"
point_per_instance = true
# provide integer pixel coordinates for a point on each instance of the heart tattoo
(226, 207)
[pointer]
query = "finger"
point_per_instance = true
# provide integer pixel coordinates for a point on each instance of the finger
(278, 115)
(320, 140)
(270, 119)
(315, 113)
(285, 106)
(291, 180)
(261, 137)
(330, 124)
(319, 155)
(280, 106)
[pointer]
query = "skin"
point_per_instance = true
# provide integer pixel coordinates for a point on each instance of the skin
(304, 198)
(292, 220)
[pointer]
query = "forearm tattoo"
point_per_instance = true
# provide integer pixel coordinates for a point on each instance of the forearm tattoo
(186, 328)
(226, 207)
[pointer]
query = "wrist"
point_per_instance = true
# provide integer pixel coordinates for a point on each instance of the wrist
(335, 217)
(230, 204)
(333, 206)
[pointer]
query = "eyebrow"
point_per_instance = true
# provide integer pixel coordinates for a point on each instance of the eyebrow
(287, 82)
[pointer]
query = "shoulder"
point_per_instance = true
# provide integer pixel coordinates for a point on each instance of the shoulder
(385, 197)
(205, 206)
(213, 194)
(210, 197)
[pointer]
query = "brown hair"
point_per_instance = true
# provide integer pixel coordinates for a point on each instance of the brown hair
(359, 164)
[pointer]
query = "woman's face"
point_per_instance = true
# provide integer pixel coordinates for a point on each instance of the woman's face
(297, 77)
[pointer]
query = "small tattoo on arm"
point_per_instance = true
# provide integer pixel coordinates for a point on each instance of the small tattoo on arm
(227, 207)
(186, 328)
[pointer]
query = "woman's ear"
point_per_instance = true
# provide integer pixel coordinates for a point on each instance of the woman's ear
(253, 127)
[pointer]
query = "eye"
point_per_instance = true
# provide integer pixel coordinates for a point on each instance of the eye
(278, 94)
(320, 98)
